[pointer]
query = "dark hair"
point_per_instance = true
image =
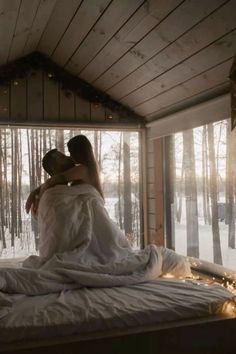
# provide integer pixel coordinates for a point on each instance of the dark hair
(55, 162)
(81, 151)
(47, 161)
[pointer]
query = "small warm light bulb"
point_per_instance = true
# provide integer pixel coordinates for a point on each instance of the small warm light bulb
(96, 104)
(15, 83)
(168, 275)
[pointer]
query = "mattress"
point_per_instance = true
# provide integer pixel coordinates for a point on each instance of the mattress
(87, 310)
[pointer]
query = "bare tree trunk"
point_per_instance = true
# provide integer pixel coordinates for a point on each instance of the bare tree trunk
(228, 176)
(207, 180)
(204, 167)
(119, 185)
(100, 150)
(230, 187)
(127, 184)
(13, 187)
(60, 140)
(213, 193)
(7, 192)
(191, 195)
(19, 183)
(180, 194)
(2, 216)
(44, 152)
(95, 144)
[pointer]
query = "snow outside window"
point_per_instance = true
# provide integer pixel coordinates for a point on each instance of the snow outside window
(204, 190)
(21, 151)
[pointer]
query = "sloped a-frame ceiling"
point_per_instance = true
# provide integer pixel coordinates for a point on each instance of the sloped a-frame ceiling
(153, 56)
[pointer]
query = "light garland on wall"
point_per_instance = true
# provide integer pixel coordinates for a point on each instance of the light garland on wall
(20, 68)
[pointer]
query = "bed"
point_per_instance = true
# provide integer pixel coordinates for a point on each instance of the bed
(156, 316)
(101, 296)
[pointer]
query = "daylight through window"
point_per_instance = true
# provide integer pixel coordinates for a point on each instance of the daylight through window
(20, 160)
(204, 190)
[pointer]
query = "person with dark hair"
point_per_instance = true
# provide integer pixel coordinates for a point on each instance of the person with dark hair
(81, 167)
(85, 169)
(54, 162)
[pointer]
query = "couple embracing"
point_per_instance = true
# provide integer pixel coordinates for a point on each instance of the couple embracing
(80, 246)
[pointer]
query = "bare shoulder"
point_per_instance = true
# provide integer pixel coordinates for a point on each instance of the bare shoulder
(81, 168)
(80, 171)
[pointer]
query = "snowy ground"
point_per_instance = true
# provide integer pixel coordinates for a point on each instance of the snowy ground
(25, 246)
(206, 244)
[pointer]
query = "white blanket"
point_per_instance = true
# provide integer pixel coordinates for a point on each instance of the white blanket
(80, 246)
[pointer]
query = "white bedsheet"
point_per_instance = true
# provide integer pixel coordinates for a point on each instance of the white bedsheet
(86, 310)
(99, 284)
(82, 247)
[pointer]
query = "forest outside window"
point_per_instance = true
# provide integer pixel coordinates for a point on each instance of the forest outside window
(21, 151)
(203, 183)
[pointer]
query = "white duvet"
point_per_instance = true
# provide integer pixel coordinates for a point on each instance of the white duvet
(80, 246)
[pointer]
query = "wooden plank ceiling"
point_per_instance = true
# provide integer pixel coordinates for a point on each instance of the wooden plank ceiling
(154, 56)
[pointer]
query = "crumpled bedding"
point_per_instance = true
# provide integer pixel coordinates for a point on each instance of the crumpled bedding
(87, 310)
(80, 246)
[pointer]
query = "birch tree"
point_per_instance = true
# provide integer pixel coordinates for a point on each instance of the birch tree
(190, 194)
(217, 256)
(127, 184)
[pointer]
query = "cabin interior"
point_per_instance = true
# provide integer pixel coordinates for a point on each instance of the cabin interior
(160, 75)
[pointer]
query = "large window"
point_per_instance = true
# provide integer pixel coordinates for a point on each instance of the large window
(21, 151)
(203, 171)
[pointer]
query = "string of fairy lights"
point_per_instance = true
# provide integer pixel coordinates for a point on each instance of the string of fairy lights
(12, 72)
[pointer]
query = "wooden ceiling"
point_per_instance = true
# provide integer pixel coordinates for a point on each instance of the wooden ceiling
(154, 56)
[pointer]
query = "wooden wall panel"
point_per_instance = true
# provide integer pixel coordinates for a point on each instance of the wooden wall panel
(35, 96)
(138, 25)
(198, 84)
(97, 113)
(117, 13)
(9, 12)
(24, 22)
(155, 192)
(159, 192)
(215, 54)
(151, 206)
(84, 19)
(115, 80)
(111, 117)
(67, 105)
(82, 109)
(38, 98)
(62, 15)
(41, 18)
(4, 103)
(18, 109)
(203, 34)
(51, 99)
(134, 50)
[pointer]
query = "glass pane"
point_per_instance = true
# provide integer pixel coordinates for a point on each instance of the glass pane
(20, 171)
(204, 170)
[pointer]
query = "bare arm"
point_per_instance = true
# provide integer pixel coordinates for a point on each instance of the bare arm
(73, 174)
(32, 200)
